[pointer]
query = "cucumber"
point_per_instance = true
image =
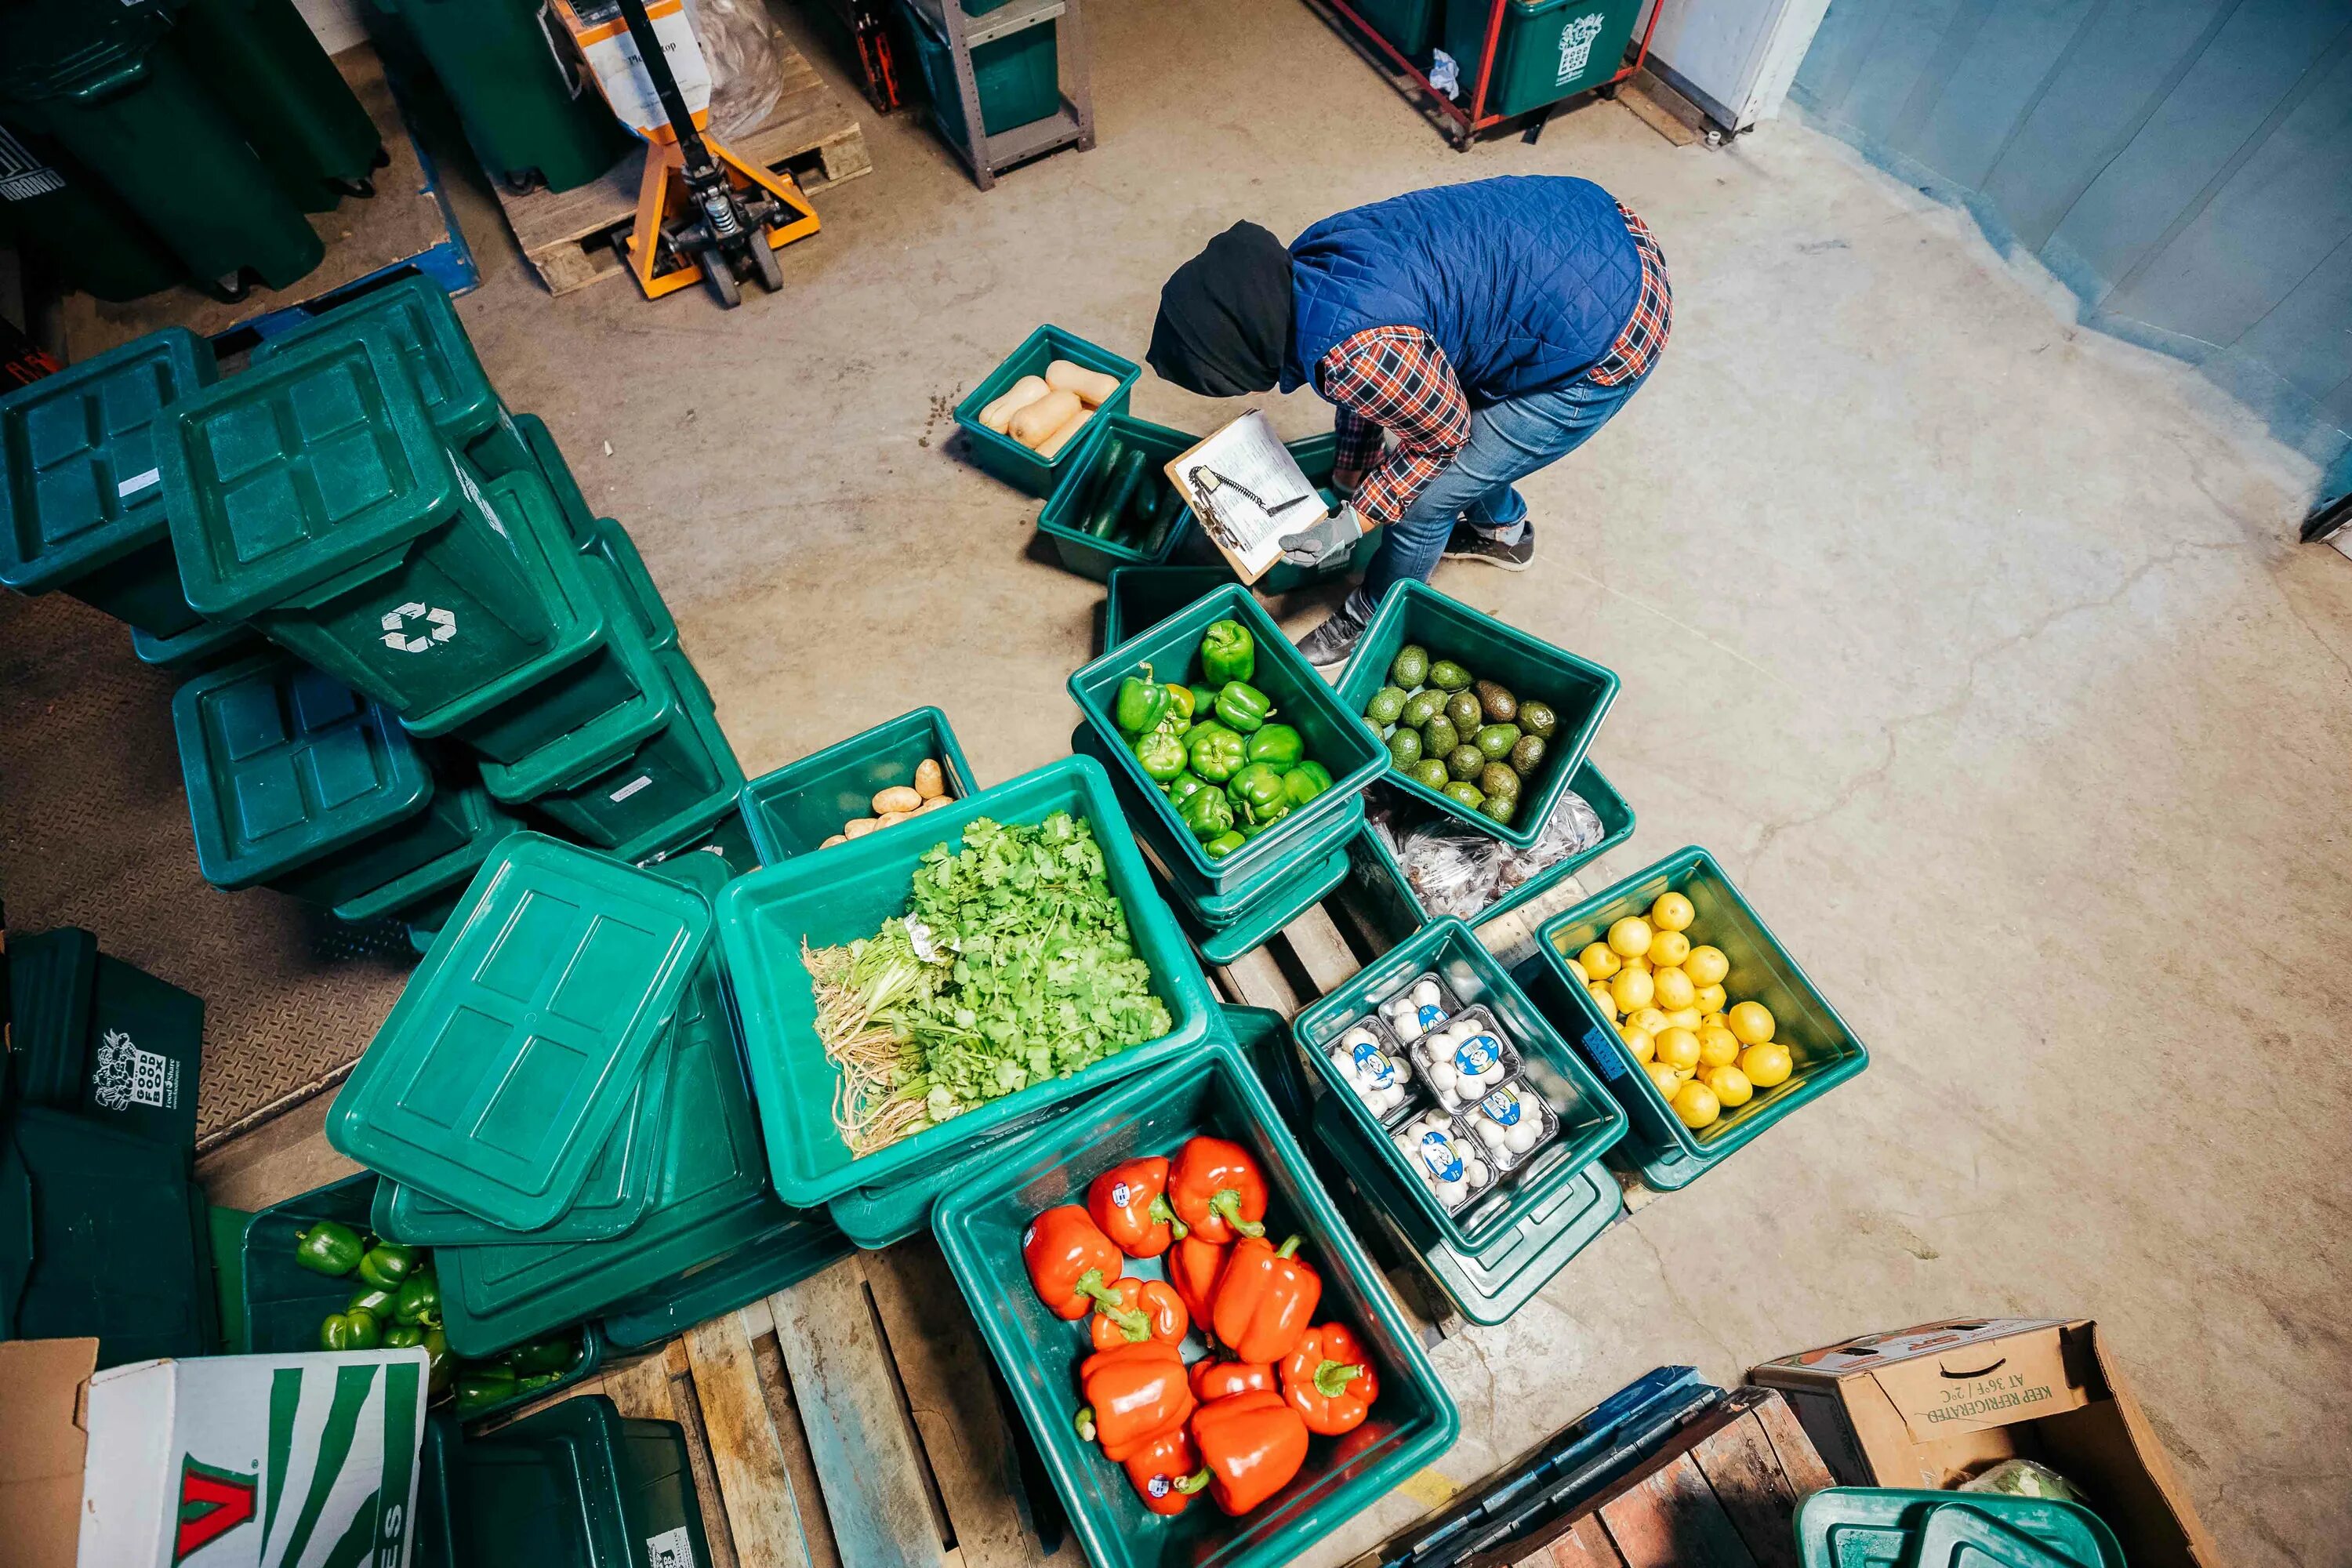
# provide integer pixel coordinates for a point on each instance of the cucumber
(1097, 481)
(1118, 492)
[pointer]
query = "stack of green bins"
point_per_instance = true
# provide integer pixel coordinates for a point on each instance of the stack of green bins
(94, 1035)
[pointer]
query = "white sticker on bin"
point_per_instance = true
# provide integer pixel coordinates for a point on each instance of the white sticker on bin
(137, 482)
(642, 781)
(670, 1548)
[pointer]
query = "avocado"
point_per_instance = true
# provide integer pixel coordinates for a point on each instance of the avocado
(1496, 778)
(1422, 707)
(1439, 736)
(1528, 756)
(1538, 720)
(1463, 710)
(1500, 706)
(1448, 675)
(1428, 773)
(1499, 808)
(1463, 763)
(1387, 703)
(1410, 668)
(1462, 793)
(1404, 749)
(1497, 741)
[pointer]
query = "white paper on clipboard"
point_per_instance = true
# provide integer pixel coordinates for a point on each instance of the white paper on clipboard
(1237, 482)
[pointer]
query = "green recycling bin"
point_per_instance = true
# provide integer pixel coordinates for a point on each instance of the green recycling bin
(1546, 50)
(313, 497)
(529, 118)
(413, 315)
(82, 504)
(52, 211)
(295, 781)
(266, 69)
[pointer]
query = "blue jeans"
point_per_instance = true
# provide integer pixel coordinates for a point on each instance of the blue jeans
(1508, 442)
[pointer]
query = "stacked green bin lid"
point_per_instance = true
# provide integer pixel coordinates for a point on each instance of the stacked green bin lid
(414, 317)
(81, 501)
(519, 1042)
(610, 542)
(672, 788)
(1884, 1527)
(548, 460)
(435, 885)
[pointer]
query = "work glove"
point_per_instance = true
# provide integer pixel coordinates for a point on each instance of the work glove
(1324, 540)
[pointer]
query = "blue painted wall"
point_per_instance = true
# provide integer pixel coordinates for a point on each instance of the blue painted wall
(2185, 166)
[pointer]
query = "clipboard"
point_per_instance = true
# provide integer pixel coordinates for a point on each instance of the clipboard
(1247, 491)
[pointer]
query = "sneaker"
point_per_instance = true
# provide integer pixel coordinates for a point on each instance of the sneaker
(1335, 639)
(1469, 543)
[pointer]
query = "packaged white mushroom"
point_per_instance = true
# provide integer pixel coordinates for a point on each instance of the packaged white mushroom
(1464, 1058)
(1442, 1156)
(1512, 1122)
(1415, 1010)
(1366, 1063)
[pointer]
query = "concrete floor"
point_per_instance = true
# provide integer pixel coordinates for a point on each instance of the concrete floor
(1978, 648)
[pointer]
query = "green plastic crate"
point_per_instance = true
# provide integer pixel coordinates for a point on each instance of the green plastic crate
(517, 1045)
(1137, 599)
(1334, 736)
(1409, 25)
(80, 505)
(1589, 1118)
(1018, 76)
(797, 807)
(411, 314)
(1221, 945)
(1579, 692)
(296, 781)
(1007, 458)
(435, 885)
(1884, 1527)
(440, 1495)
(804, 1243)
(844, 895)
(227, 1235)
(1076, 492)
(979, 1226)
(610, 542)
(575, 1483)
(579, 517)
(1389, 890)
(1823, 1052)
(678, 782)
(200, 647)
(313, 497)
(728, 840)
(1547, 50)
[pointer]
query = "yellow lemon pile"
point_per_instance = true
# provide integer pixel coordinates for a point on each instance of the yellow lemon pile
(1667, 1000)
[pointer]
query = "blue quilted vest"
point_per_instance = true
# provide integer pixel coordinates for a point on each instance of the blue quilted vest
(1524, 281)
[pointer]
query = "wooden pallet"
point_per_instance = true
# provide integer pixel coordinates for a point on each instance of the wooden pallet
(568, 236)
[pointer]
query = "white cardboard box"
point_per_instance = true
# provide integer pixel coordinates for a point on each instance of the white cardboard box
(288, 1461)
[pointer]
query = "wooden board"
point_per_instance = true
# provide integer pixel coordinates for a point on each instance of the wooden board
(565, 235)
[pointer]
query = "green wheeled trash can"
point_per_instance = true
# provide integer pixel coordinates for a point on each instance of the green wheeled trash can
(529, 118)
(52, 211)
(268, 69)
(313, 496)
(82, 504)
(1546, 50)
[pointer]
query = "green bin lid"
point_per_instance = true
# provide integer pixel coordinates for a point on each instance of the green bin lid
(520, 1041)
(1885, 1527)
(316, 464)
(415, 316)
(284, 764)
(79, 484)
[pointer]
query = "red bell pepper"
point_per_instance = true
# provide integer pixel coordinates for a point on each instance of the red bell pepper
(1072, 1264)
(1223, 1378)
(1218, 1190)
(1155, 1469)
(1152, 1312)
(1329, 1380)
(1194, 1265)
(1129, 1201)
(1134, 1394)
(1266, 1299)
(1251, 1446)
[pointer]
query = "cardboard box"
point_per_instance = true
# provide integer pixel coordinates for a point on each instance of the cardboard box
(1931, 1407)
(253, 1460)
(44, 1391)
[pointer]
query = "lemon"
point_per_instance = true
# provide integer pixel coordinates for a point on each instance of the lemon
(1674, 988)
(1706, 966)
(1685, 1018)
(1672, 912)
(1638, 962)
(1648, 1019)
(1717, 1047)
(1630, 936)
(1600, 994)
(1714, 1021)
(1765, 1065)
(1678, 1048)
(1751, 1021)
(1684, 1075)
(1696, 1105)
(1632, 988)
(1600, 961)
(1668, 947)
(1666, 1080)
(1710, 998)
(1640, 1042)
(1578, 970)
(1730, 1085)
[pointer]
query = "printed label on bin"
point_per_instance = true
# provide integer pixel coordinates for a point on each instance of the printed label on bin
(670, 1548)
(418, 627)
(137, 482)
(642, 781)
(1503, 1107)
(1372, 1066)
(1443, 1160)
(1476, 1057)
(1610, 1062)
(128, 1075)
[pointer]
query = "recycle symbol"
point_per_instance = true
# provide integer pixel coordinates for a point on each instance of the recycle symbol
(442, 626)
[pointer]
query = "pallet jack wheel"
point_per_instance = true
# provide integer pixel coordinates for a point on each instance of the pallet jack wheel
(764, 262)
(721, 279)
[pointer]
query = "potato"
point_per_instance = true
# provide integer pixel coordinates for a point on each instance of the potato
(929, 781)
(1021, 394)
(897, 799)
(836, 838)
(1053, 444)
(933, 804)
(1032, 424)
(1093, 387)
(859, 828)
(888, 817)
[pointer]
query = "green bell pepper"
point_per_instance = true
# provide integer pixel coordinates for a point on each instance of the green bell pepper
(1206, 815)
(387, 1263)
(349, 1332)
(480, 1387)
(1257, 795)
(1141, 700)
(403, 1336)
(1161, 755)
(329, 1247)
(1218, 754)
(1305, 781)
(1184, 787)
(1225, 844)
(1204, 703)
(369, 1298)
(1182, 703)
(1278, 746)
(1228, 652)
(554, 1352)
(419, 1301)
(1243, 707)
(441, 1365)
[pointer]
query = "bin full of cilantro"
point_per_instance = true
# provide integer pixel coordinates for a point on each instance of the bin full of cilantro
(1214, 746)
(1013, 965)
(1469, 739)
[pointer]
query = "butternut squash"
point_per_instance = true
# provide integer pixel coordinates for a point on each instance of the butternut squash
(1053, 444)
(1092, 386)
(1019, 396)
(1032, 423)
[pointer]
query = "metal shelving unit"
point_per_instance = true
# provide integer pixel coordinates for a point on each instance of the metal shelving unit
(1072, 126)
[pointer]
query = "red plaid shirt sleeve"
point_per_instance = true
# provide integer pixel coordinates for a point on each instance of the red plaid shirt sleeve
(1393, 381)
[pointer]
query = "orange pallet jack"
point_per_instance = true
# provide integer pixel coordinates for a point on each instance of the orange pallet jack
(701, 211)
